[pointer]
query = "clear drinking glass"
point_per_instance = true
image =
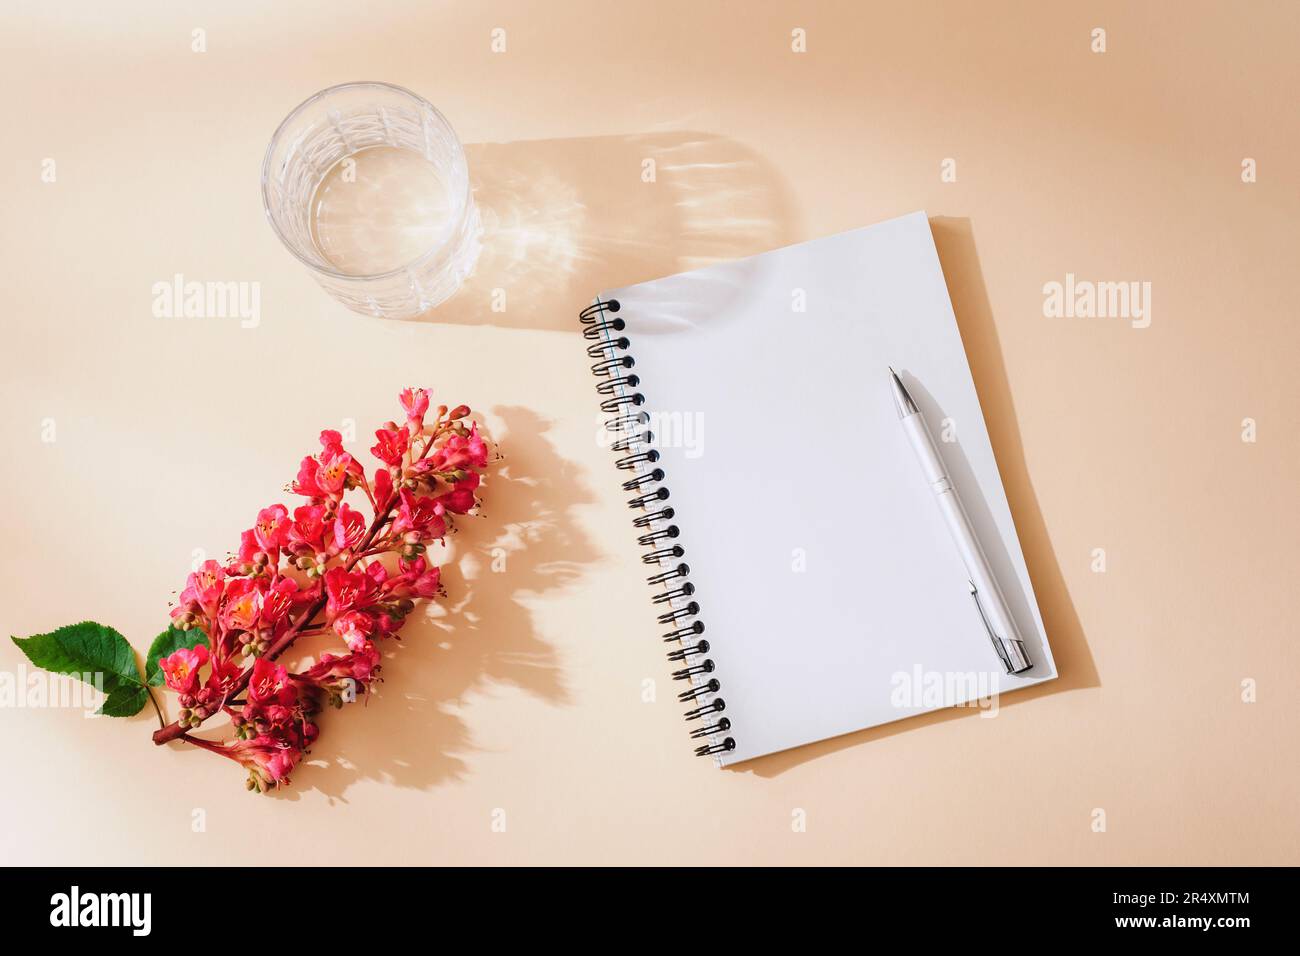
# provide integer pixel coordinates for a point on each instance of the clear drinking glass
(366, 183)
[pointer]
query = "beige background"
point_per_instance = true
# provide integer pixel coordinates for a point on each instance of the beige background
(526, 695)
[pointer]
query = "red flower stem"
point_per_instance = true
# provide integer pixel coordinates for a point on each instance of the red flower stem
(174, 731)
(209, 745)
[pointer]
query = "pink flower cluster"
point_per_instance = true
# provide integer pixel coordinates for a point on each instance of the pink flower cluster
(322, 568)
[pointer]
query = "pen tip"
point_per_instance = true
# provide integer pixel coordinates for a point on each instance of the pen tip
(906, 406)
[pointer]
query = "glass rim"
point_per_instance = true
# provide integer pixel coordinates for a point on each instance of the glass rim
(266, 170)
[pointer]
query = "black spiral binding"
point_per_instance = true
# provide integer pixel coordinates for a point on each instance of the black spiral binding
(619, 398)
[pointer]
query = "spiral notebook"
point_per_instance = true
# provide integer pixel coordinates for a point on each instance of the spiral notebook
(805, 581)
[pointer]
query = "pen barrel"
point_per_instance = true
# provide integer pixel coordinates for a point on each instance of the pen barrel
(991, 601)
(990, 597)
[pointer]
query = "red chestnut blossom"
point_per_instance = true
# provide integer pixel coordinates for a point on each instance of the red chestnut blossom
(391, 444)
(306, 532)
(347, 591)
(417, 577)
(222, 677)
(268, 761)
(415, 402)
(181, 668)
(324, 476)
(270, 527)
(421, 514)
(460, 452)
(269, 684)
(349, 528)
(323, 568)
(460, 500)
(332, 472)
(203, 588)
(383, 485)
(355, 627)
(360, 666)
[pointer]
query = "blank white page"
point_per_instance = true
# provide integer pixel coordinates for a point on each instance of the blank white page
(831, 592)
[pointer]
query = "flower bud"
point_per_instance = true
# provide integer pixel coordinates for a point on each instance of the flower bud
(460, 411)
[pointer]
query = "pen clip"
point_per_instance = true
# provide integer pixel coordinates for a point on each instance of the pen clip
(1000, 645)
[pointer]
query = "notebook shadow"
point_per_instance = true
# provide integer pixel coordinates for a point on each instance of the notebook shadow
(955, 243)
(525, 543)
(565, 218)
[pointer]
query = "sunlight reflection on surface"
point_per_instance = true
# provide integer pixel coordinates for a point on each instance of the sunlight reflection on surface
(564, 219)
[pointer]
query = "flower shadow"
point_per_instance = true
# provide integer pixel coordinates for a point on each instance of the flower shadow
(413, 731)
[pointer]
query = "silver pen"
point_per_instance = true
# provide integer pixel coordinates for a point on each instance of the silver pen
(990, 604)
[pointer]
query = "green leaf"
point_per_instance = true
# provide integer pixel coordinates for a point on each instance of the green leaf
(126, 701)
(92, 649)
(166, 644)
